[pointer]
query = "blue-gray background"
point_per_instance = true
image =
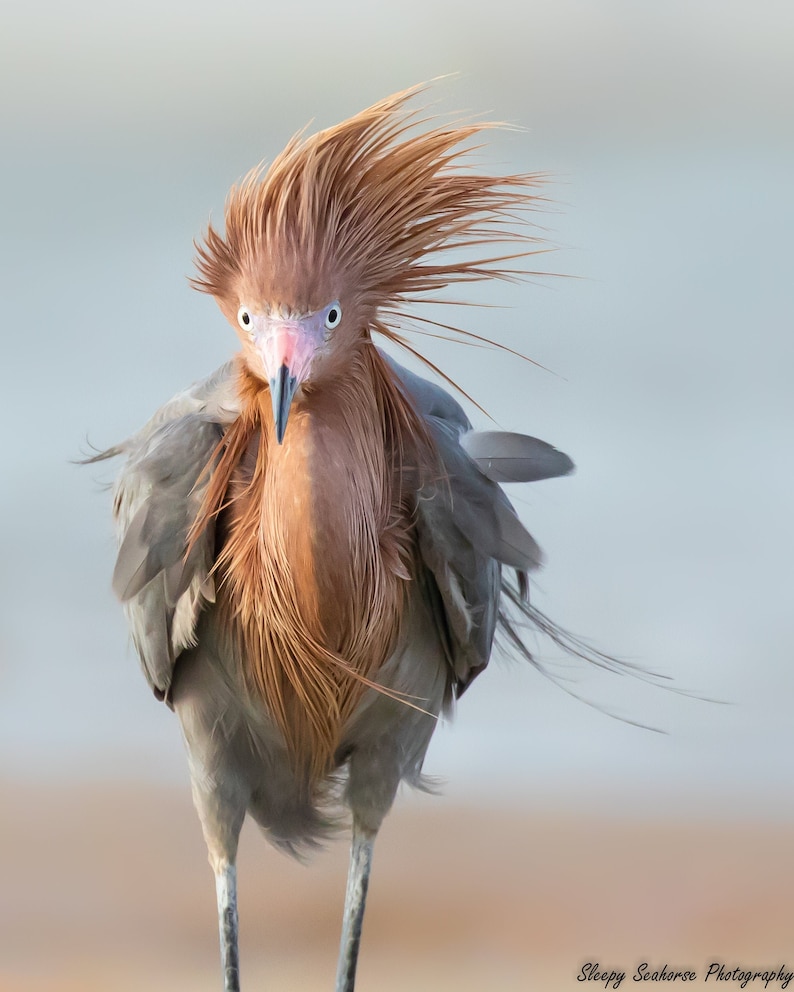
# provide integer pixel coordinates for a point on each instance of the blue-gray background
(668, 131)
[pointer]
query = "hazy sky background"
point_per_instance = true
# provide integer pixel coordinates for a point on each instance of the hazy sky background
(668, 131)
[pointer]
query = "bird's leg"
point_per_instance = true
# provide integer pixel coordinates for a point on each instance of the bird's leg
(226, 889)
(355, 899)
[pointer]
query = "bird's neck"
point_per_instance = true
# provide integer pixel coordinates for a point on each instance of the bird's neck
(326, 496)
(316, 546)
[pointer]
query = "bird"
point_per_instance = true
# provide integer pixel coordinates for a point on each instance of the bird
(315, 551)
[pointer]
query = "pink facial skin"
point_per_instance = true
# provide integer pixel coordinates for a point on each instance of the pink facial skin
(287, 345)
(291, 341)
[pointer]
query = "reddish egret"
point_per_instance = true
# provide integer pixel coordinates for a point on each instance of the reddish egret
(312, 539)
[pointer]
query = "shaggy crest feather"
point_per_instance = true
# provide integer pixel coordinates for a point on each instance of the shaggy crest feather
(370, 206)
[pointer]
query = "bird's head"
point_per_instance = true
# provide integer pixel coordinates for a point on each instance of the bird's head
(287, 347)
(330, 242)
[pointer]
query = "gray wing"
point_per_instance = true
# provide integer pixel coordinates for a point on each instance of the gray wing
(467, 528)
(157, 497)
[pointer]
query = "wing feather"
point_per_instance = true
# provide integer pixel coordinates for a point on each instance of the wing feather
(157, 497)
(467, 528)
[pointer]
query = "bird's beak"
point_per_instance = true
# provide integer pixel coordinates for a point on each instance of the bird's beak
(286, 350)
(282, 389)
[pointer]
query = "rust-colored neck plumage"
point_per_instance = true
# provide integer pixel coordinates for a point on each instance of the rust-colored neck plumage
(316, 546)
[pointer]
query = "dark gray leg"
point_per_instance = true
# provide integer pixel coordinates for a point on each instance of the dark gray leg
(226, 889)
(355, 900)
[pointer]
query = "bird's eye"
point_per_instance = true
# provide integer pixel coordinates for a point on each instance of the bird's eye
(244, 318)
(333, 317)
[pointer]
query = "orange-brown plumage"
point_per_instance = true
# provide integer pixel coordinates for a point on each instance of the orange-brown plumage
(317, 546)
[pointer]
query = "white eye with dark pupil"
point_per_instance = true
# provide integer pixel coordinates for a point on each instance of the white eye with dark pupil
(333, 317)
(244, 319)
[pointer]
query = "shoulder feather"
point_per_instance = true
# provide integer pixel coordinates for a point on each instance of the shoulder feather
(164, 586)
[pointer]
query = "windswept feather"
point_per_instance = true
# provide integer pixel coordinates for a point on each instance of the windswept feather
(505, 457)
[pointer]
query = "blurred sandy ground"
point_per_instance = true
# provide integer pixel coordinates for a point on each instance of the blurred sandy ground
(107, 889)
(564, 836)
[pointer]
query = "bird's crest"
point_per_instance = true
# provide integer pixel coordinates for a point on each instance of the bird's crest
(380, 207)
